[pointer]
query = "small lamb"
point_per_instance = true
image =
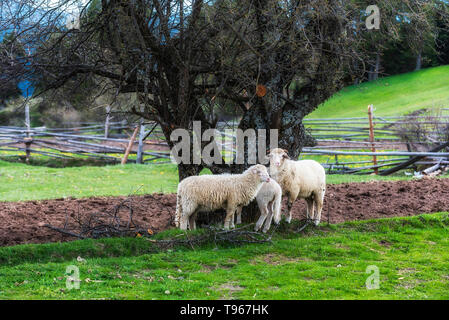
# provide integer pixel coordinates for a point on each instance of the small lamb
(269, 201)
(213, 192)
(305, 179)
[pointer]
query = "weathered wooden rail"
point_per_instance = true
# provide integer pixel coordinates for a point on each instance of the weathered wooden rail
(337, 137)
(75, 142)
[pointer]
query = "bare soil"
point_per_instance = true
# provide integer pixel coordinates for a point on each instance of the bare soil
(22, 222)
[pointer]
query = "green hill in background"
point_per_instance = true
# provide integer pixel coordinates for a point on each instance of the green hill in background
(394, 95)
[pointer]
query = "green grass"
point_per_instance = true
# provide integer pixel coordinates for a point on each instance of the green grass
(391, 96)
(19, 182)
(329, 262)
(22, 182)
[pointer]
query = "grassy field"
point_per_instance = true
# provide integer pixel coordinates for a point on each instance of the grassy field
(19, 182)
(329, 262)
(23, 182)
(391, 96)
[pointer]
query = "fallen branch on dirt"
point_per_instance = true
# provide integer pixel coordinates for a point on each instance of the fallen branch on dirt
(64, 231)
(239, 235)
(216, 236)
(304, 223)
(117, 222)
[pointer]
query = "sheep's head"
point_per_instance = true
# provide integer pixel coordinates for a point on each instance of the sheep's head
(260, 171)
(277, 157)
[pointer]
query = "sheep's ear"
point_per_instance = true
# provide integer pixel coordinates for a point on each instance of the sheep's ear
(285, 155)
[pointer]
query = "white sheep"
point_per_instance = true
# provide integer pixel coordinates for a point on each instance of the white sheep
(269, 200)
(213, 192)
(305, 179)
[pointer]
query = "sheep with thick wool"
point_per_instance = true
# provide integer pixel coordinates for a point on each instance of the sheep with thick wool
(305, 179)
(269, 200)
(213, 192)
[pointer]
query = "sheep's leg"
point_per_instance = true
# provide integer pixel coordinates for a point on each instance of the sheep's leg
(269, 218)
(177, 215)
(263, 216)
(238, 217)
(283, 209)
(310, 213)
(176, 220)
(289, 207)
(185, 216)
(232, 224)
(229, 216)
(319, 200)
(178, 209)
(184, 221)
(291, 197)
(238, 220)
(289, 211)
(192, 220)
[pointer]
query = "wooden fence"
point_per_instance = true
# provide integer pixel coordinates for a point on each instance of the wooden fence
(114, 141)
(357, 129)
(80, 142)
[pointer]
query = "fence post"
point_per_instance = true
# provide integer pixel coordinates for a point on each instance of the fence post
(371, 136)
(140, 148)
(106, 124)
(130, 145)
(28, 138)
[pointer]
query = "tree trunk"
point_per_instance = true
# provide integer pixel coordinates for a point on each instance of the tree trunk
(377, 67)
(287, 118)
(292, 136)
(356, 68)
(295, 138)
(370, 73)
(418, 61)
(187, 170)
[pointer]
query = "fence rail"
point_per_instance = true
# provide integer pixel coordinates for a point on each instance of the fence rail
(378, 153)
(110, 141)
(75, 142)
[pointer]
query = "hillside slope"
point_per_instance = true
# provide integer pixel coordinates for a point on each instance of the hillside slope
(392, 95)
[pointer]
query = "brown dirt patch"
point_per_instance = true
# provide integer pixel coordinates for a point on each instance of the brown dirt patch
(21, 221)
(228, 289)
(406, 271)
(385, 243)
(274, 259)
(382, 199)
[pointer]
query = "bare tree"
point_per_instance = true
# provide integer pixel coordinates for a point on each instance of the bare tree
(275, 60)
(296, 51)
